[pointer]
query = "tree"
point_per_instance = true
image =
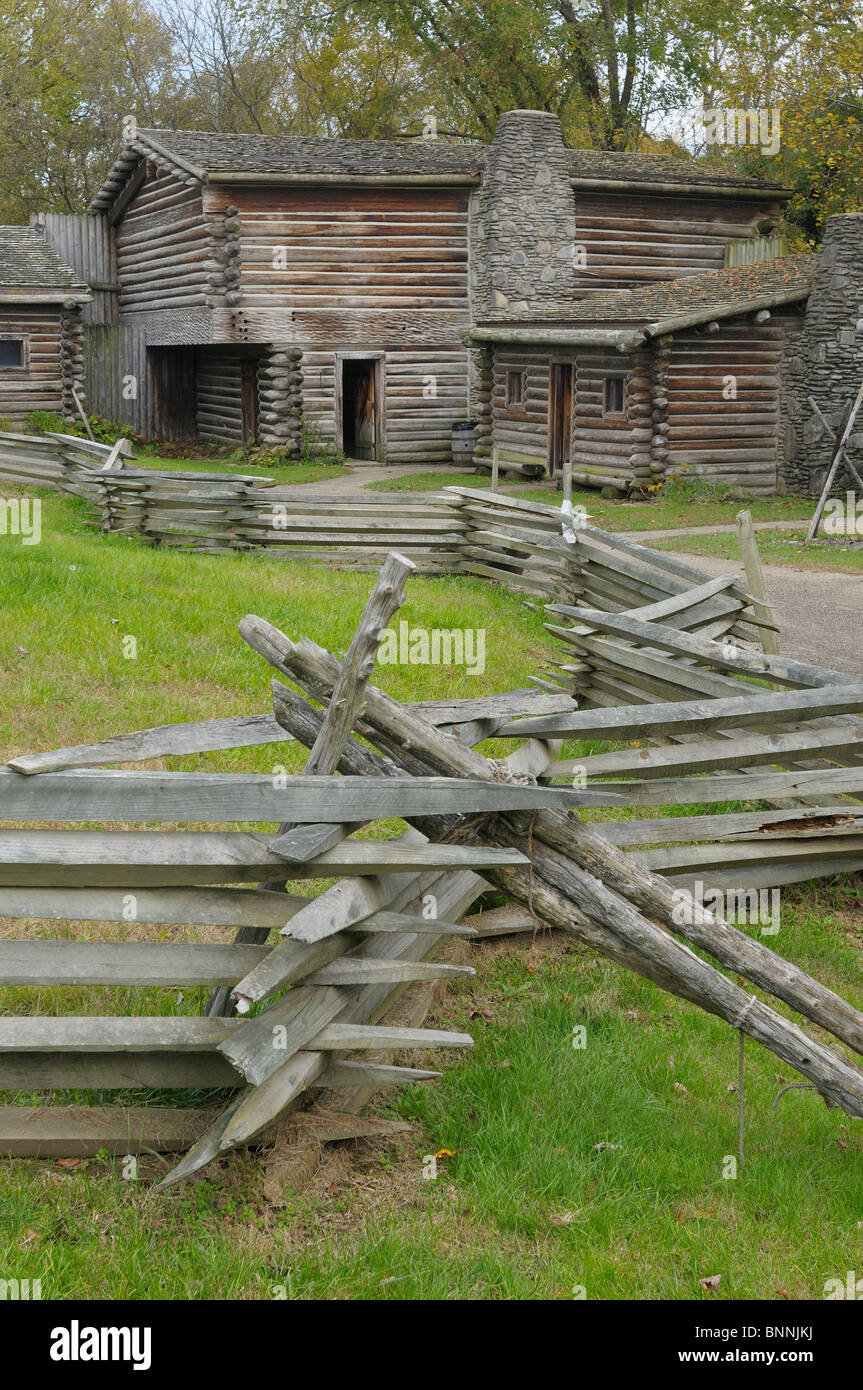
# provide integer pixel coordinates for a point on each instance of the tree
(70, 70)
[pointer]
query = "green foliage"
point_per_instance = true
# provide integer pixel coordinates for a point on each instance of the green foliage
(103, 431)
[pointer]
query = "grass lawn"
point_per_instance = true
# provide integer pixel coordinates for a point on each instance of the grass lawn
(779, 548)
(683, 503)
(598, 1168)
(285, 473)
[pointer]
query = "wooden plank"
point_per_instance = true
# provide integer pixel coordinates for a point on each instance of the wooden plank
(391, 857)
(124, 963)
(102, 1034)
(343, 1073)
(819, 784)
(167, 740)
(711, 756)
(691, 716)
(130, 858)
(154, 797)
(760, 824)
(112, 1071)
(719, 655)
(337, 1037)
(80, 1131)
(225, 907)
(260, 1046)
(353, 970)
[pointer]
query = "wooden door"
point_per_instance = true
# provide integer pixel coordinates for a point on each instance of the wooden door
(561, 417)
(173, 386)
(360, 407)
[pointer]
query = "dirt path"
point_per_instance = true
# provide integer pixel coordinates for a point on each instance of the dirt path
(819, 612)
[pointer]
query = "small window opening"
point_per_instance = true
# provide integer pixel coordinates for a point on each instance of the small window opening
(11, 352)
(515, 388)
(613, 395)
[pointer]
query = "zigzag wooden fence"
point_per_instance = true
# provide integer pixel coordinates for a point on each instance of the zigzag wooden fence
(457, 531)
(339, 960)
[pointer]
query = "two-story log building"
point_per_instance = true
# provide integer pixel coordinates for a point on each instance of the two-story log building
(579, 305)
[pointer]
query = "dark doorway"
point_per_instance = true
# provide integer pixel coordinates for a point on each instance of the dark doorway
(174, 393)
(561, 417)
(360, 407)
(249, 393)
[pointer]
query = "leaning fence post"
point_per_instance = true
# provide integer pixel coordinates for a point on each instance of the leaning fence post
(756, 582)
(494, 468)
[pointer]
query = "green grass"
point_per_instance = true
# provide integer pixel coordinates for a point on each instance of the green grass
(680, 503)
(428, 482)
(778, 548)
(672, 508)
(528, 1206)
(290, 473)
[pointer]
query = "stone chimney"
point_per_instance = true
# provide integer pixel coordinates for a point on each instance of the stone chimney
(524, 231)
(826, 361)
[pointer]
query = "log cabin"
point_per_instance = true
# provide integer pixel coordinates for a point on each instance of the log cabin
(586, 309)
(41, 328)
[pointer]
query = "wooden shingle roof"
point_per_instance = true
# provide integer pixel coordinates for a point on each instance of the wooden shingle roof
(199, 155)
(711, 294)
(28, 263)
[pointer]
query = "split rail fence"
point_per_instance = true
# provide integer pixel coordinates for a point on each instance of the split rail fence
(652, 655)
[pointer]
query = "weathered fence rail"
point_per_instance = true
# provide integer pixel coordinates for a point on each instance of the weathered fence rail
(340, 960)
(457, 531)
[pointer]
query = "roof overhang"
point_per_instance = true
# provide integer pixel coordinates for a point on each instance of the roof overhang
(621, 339)
(675, 323)
(676, 190)
(57, 296)
(346, 180)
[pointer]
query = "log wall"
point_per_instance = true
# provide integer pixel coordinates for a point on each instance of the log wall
(220, 405)
(633, 238)
(164, 246)
(425, 391)
(520, 433)
(602, 446)
(723, 403)
(53, 339)
(340, 248)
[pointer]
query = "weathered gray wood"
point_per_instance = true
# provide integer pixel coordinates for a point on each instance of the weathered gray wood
(734, 949)
(168, 740)
(97, 1034)
(756, 581)
(753, 706)
(708, 755)
(259, 1046)
(353, 970)
(407, 922)
(80, 1131)
(153, 797)
(303, 842)
(391, 857)
(133, 858)
(255, 1109)
(719, 655)
(346, 701)
(338, 1074)
(819, 785)
(123, 963)
(749, 824)
(112, 1071)
(336, 1037)
(224, 907)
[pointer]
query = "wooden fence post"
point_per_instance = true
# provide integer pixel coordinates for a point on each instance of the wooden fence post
(756, 581)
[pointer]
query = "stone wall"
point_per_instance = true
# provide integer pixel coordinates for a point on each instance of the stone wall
(825, 361)
(523, 240)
